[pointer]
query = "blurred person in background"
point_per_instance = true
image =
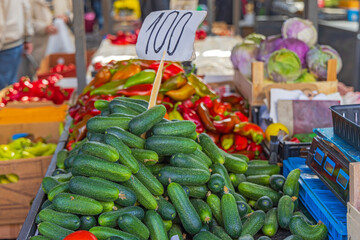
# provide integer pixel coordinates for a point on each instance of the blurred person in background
(148, 6)
(15, 35)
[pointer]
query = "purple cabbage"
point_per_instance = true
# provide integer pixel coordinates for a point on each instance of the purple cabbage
(317, 58)
(267, 47)
(300, 29)
(297, 46)
(242, 55)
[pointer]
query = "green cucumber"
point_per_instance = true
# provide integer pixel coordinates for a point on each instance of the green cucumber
(236, 179)
(49, 183)
(46, 204)
(210, 148)
(155, 169)
(259, 179)
(76, 204)
(264, 203)
(63, 177)
(105, 112)
(216, 183)
(311, 222)
(186, 176)
(60, 158)
(242, 207)
(133, 105)
(169, 145)
(131, 140)
(285, 211)
(253, 223)
(294, 237)
(143, 195)
(101, 104)
(252, 203)
(277, 182)
(167, 224)
(118, 108)
(96, 137)
(66, 220)
(298, 226)
(165, 209)
(271, 224)
(87, 222)
(147, 157)
(258, 162)
(58, 171)
(198, 191)
(108, 206)
(126, 196)
(175, 231)
(230, 215)
(180, 128)
(202, 209)
(202, 157)
(234, 164)
(131, 224)
(220, 233)
(103, 233)
(69, 161)
(246, 237)
(122, 115)
(156, 225)
(146, 120)
(149, 181)
(125, 156)
(254, 191)
(93, 188)
(39, 237)
(264, 238)
(187, 190)
(189, 218)
(220, 169)
(53, 231)
(291, 181)
(214, 203)
(62, 187)
(262, 170)
(205, 235)
(91, 166)
(99, 124)
(186, 161)
(142, 102)
(108, 219)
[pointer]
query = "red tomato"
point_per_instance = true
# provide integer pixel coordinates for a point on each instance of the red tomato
(81, 235)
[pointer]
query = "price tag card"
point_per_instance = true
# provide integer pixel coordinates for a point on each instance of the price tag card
(172, 31)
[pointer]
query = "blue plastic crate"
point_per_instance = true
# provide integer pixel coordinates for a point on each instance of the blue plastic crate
(319, 200)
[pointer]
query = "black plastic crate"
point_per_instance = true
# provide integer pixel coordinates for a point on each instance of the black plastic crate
(291, 149)
(346, 122)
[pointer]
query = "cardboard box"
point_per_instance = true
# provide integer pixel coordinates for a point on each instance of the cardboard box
(256, 90)
(65, 58)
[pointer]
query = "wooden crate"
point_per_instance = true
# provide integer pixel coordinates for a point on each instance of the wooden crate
(256, 90)
(353, 206)
(9, 231)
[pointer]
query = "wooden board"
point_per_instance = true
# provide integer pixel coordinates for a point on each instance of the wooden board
(9, 231)
(353, 222)
(256, 90)
(16, 197)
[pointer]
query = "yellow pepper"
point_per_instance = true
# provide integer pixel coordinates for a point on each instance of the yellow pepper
(182, 93)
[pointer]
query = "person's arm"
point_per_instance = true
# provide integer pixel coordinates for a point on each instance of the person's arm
(42, 25)
(28, 27)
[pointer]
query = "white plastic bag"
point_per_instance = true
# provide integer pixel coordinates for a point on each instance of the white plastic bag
(62, 41)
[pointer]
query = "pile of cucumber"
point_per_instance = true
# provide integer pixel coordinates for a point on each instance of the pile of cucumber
(140, 176)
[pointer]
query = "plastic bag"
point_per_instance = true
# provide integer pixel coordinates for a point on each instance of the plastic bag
(62, 41)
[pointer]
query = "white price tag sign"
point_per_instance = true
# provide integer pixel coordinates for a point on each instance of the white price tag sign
(172, 31)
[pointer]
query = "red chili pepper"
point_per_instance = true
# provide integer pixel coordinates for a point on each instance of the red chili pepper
(168, 103)
(190, 114)
(226, 125)
(169, 70)
(73, 110)
(250, 130)
(242, 116)
(232, 98)
(256, 148)
(241, 142)
(206, 100)
(295, 140)
(137, 90)
(188, 104)
(249, 154)
(227, 141)
(69, 143)
(204, 115)
(221, 108)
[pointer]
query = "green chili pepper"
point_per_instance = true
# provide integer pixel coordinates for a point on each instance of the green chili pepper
(109, 88)
(173, 83)
(200, 87)
(146, 76)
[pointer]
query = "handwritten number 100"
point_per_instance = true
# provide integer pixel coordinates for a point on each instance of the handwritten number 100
(152, 27)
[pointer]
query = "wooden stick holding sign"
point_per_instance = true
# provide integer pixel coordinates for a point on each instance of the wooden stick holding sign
(157, 83)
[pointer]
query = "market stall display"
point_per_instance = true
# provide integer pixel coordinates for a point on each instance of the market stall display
(232, 180)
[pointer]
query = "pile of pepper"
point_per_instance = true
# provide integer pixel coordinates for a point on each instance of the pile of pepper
(40, 90)
(185, 96)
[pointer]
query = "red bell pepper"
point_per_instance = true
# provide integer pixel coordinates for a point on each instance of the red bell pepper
(206, 100)
(80, 235)
(221, 108)
(137, 90)
(188, 104)
(241, 142)
(190, 114)
(226, 125)
(256, 148)
(242, 116)
(169, 70)
(295, 140)
(250, 130)
(227, 141)
(249, 154)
